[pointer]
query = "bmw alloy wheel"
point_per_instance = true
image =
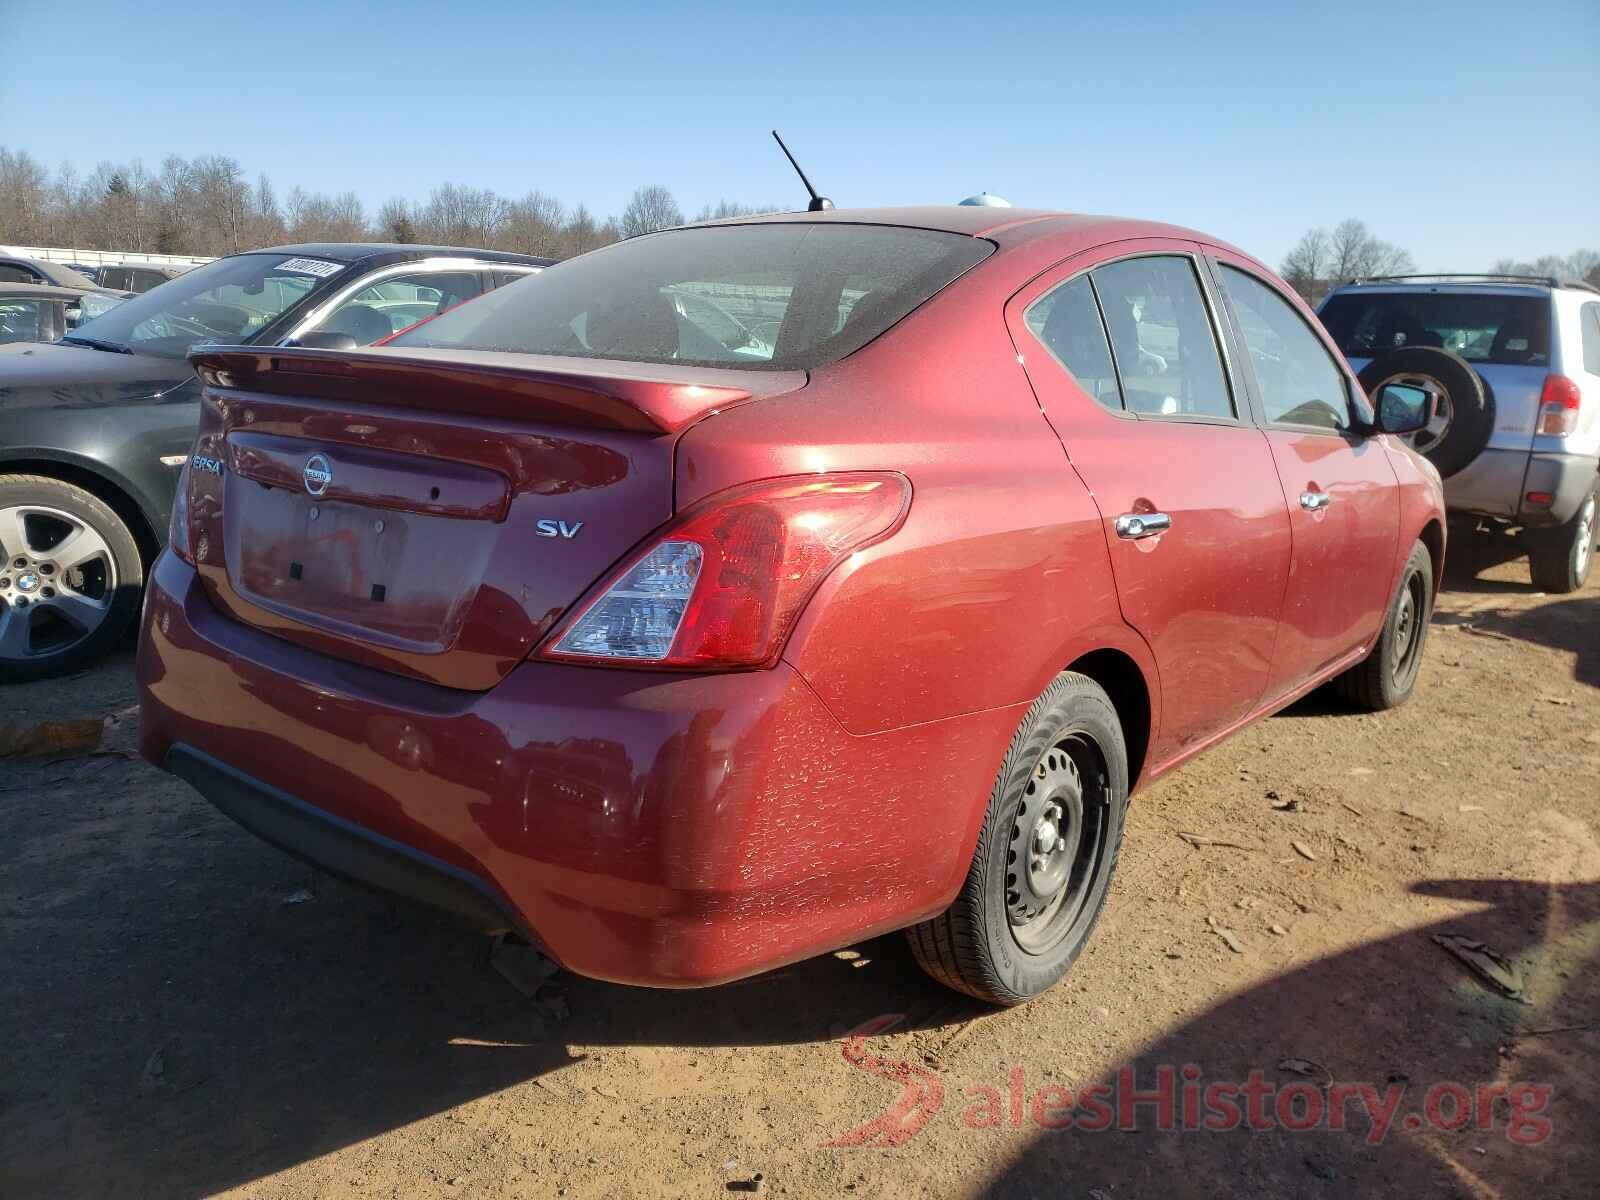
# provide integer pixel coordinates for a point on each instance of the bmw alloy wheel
(57, 582)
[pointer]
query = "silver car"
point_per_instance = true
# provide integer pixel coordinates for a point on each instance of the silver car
(1513, 363)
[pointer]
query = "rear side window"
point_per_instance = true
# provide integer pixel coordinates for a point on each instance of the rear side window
(379, 309)
(1300, 382)
(1589, 318)
(1482, 327)
(1067, 323)
(23, 320)
(770, 297)
(1161, 333)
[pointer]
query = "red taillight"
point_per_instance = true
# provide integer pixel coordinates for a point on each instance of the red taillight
(1558, 406)
(178, 529)
(722, 586)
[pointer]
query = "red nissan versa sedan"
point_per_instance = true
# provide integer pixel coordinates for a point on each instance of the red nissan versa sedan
(738, 592)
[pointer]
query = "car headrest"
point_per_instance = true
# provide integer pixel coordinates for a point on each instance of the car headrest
(1079, 344)
(1512, 341)
(360, 321)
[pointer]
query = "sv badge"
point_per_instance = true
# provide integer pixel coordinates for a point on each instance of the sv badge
(560, 529)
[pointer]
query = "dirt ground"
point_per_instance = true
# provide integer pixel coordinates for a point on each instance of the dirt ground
(185, 1010)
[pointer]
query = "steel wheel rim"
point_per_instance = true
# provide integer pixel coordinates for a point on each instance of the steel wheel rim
(1585, 536)
(1443, 410)
(1408, 620)
(58, 579)
(1058, 841)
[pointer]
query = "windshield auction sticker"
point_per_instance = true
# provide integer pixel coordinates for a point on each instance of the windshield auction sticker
(311, 266)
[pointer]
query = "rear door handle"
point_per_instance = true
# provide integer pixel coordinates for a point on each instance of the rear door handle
(1311, 501)
(1142, 525)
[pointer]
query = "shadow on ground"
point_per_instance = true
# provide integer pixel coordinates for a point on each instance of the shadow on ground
(1570, 623)
(147, 1051)
(1342, 1013)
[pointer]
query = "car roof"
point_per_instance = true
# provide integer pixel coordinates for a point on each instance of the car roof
(1488, 283)
(1442, 287)
(41, 290)
(53, 270)
(1009, 227)
(383, 253)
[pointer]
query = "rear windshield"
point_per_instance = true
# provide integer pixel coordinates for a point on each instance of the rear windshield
(768, 297)
(1481, 327)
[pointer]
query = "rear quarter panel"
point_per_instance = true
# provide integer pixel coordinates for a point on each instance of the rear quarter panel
(1000, 576)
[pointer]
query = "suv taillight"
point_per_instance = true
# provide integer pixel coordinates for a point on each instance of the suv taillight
(721, 586)
(1558, 406)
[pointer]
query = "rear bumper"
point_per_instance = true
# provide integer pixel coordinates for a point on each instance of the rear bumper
(340, 847)
(1568, 478)
(667, 830)
(1490, 484)
(1496, 484)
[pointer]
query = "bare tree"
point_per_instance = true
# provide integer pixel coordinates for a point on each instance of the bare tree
(532, 225)
(580, 234)
(266, 222)
(24, 192)
(117, 216)
(1350, 251)
(1585, 265)
(1354, 252)
(206, 205)
(321, 218)
(651, 208)
(222, 199)
(395, 222)
(1581, 265)
(349, 219)
(724, 209)
(458, 215)
(1305, 267)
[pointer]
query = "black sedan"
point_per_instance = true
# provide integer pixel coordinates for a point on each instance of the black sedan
(94, 428)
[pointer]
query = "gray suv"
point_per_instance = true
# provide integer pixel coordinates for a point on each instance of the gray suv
(1513, 363)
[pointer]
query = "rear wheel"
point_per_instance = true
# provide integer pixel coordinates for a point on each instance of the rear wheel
(1045, 856)
(70, 577)
(1560, 560)
(1387, 676)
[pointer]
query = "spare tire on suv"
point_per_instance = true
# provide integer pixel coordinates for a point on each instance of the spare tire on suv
(1464, 406)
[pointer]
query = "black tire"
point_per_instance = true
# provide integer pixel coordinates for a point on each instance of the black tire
(1464, 396)
(1560, 559)
(41, 590)
(985, 944)
(1388, 675)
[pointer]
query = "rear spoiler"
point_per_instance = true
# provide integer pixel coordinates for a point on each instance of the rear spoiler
(563, 391)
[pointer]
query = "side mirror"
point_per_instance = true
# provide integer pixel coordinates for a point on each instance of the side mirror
(1402, 408)
(323, 339)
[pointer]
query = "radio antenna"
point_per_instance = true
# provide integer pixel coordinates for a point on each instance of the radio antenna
(818, 203)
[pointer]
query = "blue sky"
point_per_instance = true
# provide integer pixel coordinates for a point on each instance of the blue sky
(1464, 132)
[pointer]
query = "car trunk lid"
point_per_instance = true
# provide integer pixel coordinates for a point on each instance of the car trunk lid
(429, 514)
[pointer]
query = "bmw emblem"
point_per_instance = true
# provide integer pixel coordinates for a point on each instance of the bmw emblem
(317, 475)
(27, 582)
